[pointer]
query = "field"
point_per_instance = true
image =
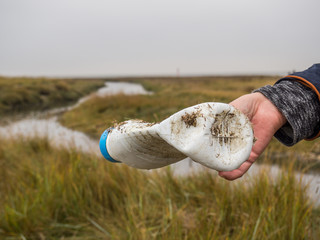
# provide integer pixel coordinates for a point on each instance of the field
(170, 95)
(173, 94)
(21, 95)
(48, 193)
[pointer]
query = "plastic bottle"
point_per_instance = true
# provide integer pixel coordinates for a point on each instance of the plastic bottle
(215, 135)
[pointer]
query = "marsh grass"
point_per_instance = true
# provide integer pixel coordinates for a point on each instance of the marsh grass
(48, 193)
(170, 95)
(29, 94)
(173, 94)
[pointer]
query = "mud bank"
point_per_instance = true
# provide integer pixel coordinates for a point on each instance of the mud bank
(45, 125)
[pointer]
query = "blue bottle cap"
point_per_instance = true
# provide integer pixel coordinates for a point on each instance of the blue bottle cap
(103, 146)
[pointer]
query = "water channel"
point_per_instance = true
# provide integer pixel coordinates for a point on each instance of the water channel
(45, 124)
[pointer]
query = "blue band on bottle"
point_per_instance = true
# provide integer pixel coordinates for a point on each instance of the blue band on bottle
(103, 146)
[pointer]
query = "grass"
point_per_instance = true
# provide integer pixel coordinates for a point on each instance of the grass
(48, 193)
(173, 94)
(62, 194)
(170, 95)
(29, 94)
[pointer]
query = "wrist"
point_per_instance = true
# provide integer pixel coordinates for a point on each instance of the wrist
(277, 119)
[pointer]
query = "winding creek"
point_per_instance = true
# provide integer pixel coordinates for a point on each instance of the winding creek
(46, 124)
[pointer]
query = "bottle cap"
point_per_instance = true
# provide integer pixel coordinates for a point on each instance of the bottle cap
(103, 146)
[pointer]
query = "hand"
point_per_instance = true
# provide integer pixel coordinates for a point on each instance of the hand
(266, 120)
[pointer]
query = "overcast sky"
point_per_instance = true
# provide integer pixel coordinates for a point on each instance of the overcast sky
(155, 37)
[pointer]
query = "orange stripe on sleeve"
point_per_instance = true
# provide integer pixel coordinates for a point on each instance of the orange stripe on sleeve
(310, 85)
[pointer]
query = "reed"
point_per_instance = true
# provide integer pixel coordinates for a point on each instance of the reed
(48, 193)
(170, 95)
(35, 94)
(173, 94)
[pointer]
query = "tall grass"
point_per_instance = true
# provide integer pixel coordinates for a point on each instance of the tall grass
(48, 193)
(28, 94)
(173, 94)
(170, 95)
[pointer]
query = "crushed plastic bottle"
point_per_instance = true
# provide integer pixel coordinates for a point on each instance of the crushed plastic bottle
(216, 135)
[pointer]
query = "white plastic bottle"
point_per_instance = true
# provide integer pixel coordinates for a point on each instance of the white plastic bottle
(215, 135)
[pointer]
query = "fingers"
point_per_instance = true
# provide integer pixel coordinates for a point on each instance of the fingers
(237, 173)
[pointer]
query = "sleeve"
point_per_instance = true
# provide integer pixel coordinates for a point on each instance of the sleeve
(297, 97)
(309, 78)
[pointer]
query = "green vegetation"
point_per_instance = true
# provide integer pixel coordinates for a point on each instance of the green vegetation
(173, 94)
(170, 95)
(62, 194)
(48, 193)
(29, 94)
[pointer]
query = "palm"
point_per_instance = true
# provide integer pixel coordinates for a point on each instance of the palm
(266, 120)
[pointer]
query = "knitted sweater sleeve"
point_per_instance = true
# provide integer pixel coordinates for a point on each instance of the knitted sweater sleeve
(301, 107)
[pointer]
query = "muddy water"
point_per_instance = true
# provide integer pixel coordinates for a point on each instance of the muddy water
(45, 124)
(57, 135)
(122, 87)
(188, 166)
(110, 88)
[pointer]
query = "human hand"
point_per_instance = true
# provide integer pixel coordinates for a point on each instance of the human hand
(266, 120)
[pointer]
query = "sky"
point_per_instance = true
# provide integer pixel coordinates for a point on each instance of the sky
(61, 38)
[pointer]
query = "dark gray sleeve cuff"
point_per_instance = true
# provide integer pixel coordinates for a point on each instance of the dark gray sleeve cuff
(300, 106)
